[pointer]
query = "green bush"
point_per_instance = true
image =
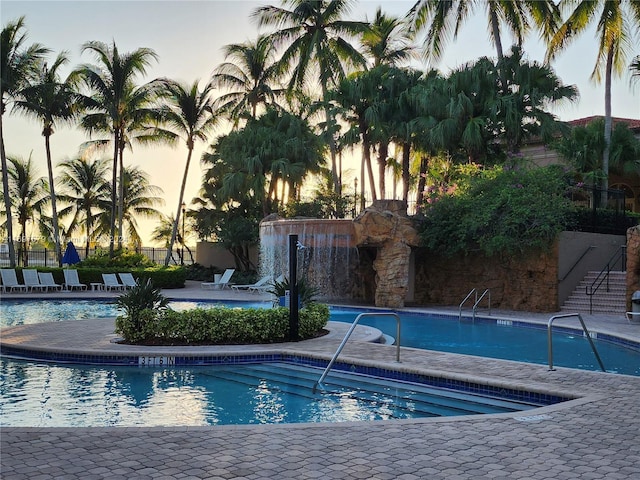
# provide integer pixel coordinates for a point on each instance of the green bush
(219, 325)
(121, 259)
(499, 212)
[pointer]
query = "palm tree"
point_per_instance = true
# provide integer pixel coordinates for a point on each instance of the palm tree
(440, 18)
(18, 65)
(188, 115)
(29, 195)
(50, 100)
(250, 75)
(111, 83)
(86, 190)
(139, 198)
(634, 68)
(617, 22)
(316, 35)
(387, 42)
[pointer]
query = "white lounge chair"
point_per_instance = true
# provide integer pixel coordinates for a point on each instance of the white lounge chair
(111, 282)
(46, 280)
(263, 281)
(31, 280)
(220, 284)
(10, 281)
(72, 281)
(127, 280)
(267, 286)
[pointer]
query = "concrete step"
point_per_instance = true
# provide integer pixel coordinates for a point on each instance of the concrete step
(605, 300)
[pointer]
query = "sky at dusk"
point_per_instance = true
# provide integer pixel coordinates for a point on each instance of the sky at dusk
(189, 36)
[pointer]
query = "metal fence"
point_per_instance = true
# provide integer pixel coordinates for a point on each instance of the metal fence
(47, 258)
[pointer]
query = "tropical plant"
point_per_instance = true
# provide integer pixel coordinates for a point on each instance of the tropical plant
(246, 165)
(250, 74)
(188, 115)
(139, 198)
(86, 190)
(316, 35)
(111, 87)
(387, 42)
(634, 69)
(306, 291)
(616, 25)
(51, 101)
(441, 19)
(134, 301)
(29, 197)
(19, 64)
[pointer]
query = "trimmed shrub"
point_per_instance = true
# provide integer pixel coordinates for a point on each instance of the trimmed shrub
(219, 325)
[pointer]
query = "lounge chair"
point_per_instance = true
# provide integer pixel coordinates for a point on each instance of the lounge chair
(31, 280)
(220, 284)
(10, 281)
(111, 282)
(267, 286)
(72, 281)
(263, 281)
(46, 280)
(127, 280)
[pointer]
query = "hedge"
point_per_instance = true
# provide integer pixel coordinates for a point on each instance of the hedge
(220, 325)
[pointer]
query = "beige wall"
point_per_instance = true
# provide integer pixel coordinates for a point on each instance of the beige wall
(209, 254)
(633, 262)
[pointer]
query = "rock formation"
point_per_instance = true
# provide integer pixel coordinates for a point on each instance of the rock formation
(385, 225)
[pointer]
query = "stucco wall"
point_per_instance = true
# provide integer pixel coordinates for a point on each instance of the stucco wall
(633, 262)
(209, 254)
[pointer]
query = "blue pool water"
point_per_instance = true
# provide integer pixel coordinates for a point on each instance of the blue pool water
(442, 333)
(48, 395)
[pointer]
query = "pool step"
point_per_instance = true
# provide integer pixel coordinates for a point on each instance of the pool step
(398, 399)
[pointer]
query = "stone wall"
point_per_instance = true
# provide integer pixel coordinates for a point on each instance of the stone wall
(633, 262)
(516, 282)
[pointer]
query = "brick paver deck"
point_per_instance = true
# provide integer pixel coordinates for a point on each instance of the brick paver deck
(595, 436)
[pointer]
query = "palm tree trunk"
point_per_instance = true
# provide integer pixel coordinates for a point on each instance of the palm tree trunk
(114, 180)
(366, 153)
(332, 144)
(383, 152)
(7, 197)
(54, 208)
(121, 196)
(406, 158)
(607, 128)
(422, 180)
(174, 231)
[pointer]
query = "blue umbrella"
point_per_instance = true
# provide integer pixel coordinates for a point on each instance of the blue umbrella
(70, 255)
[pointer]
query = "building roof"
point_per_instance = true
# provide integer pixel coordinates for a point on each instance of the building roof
(633, 123)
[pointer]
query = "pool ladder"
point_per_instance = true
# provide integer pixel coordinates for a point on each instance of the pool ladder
(348, 334)
(487, 293)
(584, 329)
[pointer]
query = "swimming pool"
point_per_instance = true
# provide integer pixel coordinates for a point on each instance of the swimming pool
(507, 340)
(49, 395)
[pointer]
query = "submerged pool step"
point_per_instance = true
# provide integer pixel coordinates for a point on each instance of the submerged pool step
(422, 400)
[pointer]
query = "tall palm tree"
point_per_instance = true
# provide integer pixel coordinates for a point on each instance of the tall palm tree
(109, 84)
(50, 100)
(18, 65)
(634, 68)
(616, 26)
(86, 190)
(387, 42)
(188, 115)
(444, 20)
(29, 196)
(251, 74)
(139, 199)
(315, 35)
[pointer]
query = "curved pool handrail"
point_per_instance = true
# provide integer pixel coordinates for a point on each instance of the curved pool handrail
(348, 334)
(586, 332)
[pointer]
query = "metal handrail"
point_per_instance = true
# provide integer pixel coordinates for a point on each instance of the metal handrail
(473, 290)
(590, 291)
(589, 248)
(348, 334)
(586, 332)
(475, 305)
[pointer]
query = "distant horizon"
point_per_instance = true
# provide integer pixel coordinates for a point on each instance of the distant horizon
(188, 37)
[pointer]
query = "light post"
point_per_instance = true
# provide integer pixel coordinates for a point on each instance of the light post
(184, 208)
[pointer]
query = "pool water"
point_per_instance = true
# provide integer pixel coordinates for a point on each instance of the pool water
(441, 333)
(49, 395)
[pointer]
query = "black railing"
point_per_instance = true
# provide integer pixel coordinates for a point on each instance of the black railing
(603, 276)
(47, 258)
